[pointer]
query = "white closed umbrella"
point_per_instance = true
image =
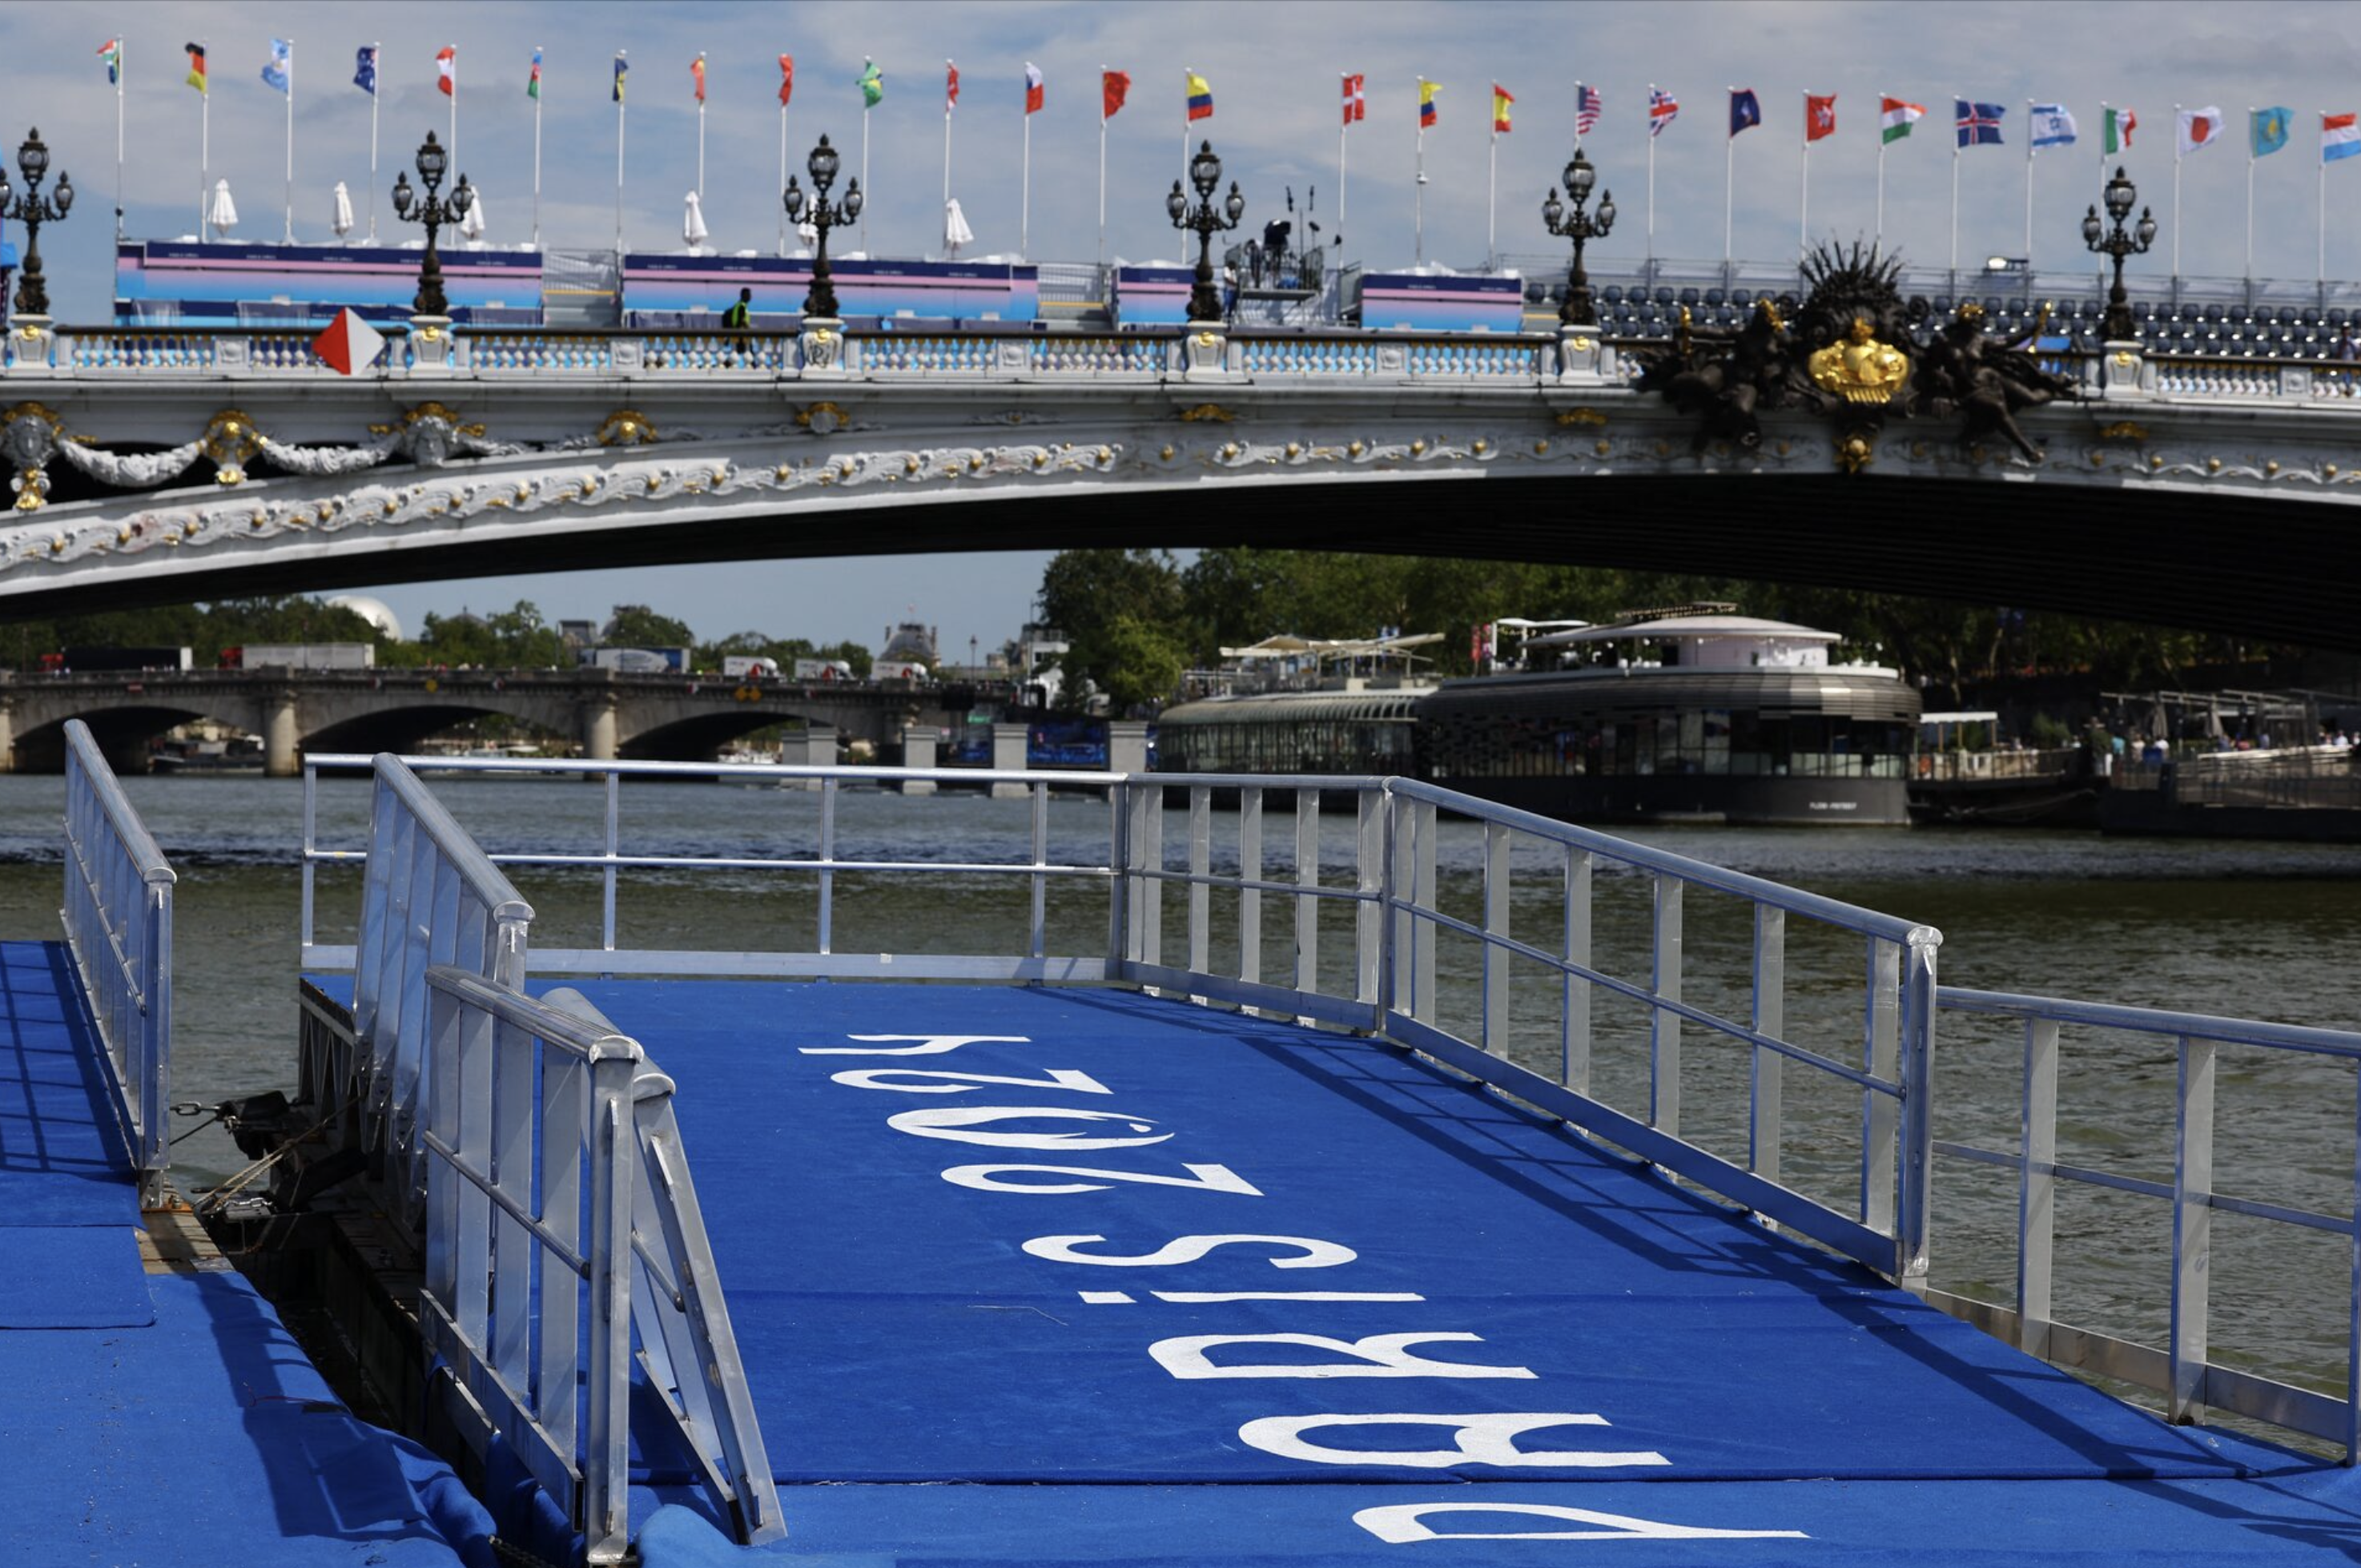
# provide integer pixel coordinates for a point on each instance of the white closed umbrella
(810, 234)
(222, 212)
(692, 222)
(471, 222)
(343, 222)
(955, 230)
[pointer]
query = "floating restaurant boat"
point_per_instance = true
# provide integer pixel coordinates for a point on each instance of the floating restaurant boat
(1129, 1233)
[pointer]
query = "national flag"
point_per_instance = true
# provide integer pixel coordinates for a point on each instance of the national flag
(2121, 123)
(2267, 130)
(365, 68)
(1745, 109)
(951, 88)
(196, 77)
(622, 71)
(278, 70)
(1035, 88)
(696, 70)
(2198, 128)
(1819, 116)
(1662, 108)
(872, 83)
(1115, 86)
(348, 345)
(2339, 138)
(2050, 124)
(787, 79)
(1356, 104)
(1587, 105)
(533, 82)
(446, 69)
(1501, 101)
(1201, 96)
(1426, 92)
(111, 51)
(1979, 123)
(1895, 118)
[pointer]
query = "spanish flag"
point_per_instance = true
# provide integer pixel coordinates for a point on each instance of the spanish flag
(1201, 97)
(1426, 92)
(1501, 99)
(196, 77)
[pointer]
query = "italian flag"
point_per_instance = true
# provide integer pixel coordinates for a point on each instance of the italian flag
(1897, 117)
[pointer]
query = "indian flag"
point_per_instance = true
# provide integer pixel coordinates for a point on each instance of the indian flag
(1897, 117)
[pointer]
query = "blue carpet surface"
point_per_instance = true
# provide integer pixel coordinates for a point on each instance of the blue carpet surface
(61, 1158)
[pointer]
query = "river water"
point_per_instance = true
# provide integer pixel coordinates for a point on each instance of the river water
(2251, 930)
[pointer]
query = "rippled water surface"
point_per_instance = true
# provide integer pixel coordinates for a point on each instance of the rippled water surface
(2253, 930)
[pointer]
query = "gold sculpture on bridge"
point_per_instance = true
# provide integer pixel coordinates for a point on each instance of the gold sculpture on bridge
(1858, 369)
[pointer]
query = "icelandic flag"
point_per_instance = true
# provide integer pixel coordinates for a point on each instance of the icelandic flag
(2339, 138)
(2052, 126)
(1661, 107)
(1034, 88)
(282, 61)
(365, 69)
(2268, 131)
(1979, 123)
(1745, 109)
(349, 344)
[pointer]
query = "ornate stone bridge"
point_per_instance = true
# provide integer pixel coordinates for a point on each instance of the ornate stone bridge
(160, 465)
(607, 714)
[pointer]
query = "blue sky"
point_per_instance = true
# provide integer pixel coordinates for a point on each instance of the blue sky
(1273, 65)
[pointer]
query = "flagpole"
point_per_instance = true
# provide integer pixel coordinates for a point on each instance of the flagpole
(289, 237)
(2250, 194)
(2106, 125)
(948, 65)
(1025, 197)
(864, 172)
(700, 141)
(1804, 190)
(1651, 169)
(1343, 128)
(1880, 170)
(619, 106)
(204, 144)
(783, 177)
(1417, 191)
(1492, 190)
(1102, 120)
(118, 138)
(2321, 277)
(536, 157)
(1955, 199)
(2176, 201)
(455, 110)
(375, 57)
(2028, 192)
(1728, 179)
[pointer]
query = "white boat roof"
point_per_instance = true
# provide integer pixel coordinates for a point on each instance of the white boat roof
(1689, 626)
(1958, 717)
(1519, 623)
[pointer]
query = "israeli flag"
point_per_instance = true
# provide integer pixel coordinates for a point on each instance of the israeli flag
(2053, 125)
(281, 67)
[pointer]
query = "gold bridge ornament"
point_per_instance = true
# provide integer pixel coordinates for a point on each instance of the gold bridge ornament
(1860, 370)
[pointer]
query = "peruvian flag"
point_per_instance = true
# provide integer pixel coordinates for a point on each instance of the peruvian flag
(446, 62)
(349, 344)
(1032, 88)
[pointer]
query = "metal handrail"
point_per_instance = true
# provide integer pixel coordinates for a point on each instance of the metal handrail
(118, 915)
(2181, 1370)
(536, 1115)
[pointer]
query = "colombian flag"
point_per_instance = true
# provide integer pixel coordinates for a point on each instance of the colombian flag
(1201, 97)
(1426, 92)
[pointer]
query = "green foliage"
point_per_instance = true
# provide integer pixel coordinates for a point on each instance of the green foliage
(1107, 602)
(637, 626)
(510, 638)
(204, 629)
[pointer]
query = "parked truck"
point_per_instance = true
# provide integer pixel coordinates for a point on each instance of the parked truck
(639, 661)
(84, 660)
(301, 656)
(823, 669)
(898, 670)
(748, 667)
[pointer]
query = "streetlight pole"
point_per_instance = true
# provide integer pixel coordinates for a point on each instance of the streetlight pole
(1578, 226)
(2117, 325)
(433, 210)
(32, 209)
(822, 214)
(1205, 221)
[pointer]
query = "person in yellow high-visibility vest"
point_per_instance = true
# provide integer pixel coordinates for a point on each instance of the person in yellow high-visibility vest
(739, 317)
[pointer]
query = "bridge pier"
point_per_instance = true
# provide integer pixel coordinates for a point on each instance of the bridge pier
(815, 747)
(1008, 757)
(918, 742)
(8, 735)
(281, 736)
(596, 728)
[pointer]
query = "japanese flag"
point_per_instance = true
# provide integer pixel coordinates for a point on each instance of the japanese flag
(349, 344)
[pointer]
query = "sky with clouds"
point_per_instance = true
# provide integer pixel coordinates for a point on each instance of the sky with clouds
(1274, 68)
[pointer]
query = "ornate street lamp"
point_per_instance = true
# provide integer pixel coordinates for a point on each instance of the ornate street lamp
(434, 211)
(33, 209)
(823, 215)
(1206, 221)
(2120, 193)
(1578, 226)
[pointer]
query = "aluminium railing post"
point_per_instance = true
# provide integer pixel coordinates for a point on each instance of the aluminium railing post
(1494, 1035)
(827, 861)
(564, 1132)
(2193, 1229)
(1368, 917)
(1118, 947)
(1916, 1133)
(1573, 1049)
(614, 807)
(311, 845)
(2352, 1303)
(607, 1448)
(1038, 932)
(1307, 876)
(1200, 865)
(1422, 931)
(1663, 1027)
(1150, 860)
(2037, 1190)
(1402, 879)
(155, 1074)
(1881, 1121)
(1250, 871)
(1770, 1019)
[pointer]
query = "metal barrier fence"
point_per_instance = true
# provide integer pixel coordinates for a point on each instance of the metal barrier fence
(117, 914)
(2181, 1369)
(559, 1218)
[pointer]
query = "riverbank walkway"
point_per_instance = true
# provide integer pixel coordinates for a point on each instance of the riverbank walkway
(1039, 1276)
(154, 1409)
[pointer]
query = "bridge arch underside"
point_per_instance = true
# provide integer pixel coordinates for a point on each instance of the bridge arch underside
(122, 733)
(2273, 566)
(698, 738)
(402, 728)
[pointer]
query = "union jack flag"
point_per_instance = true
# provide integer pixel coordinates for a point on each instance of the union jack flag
(1586, 105)
(1661, 107)
(1979, 123)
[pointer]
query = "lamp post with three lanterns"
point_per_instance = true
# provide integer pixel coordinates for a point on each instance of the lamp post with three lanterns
(433, 210)
(823, 215)
(32, 209)
(2117, 325)
(1205, 221)
(1578, 226)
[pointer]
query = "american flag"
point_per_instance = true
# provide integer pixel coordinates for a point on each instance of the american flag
(1585, 111)
(1661, 107)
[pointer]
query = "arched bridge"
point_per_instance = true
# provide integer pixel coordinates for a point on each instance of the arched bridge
(160, 465)
(606, 713)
